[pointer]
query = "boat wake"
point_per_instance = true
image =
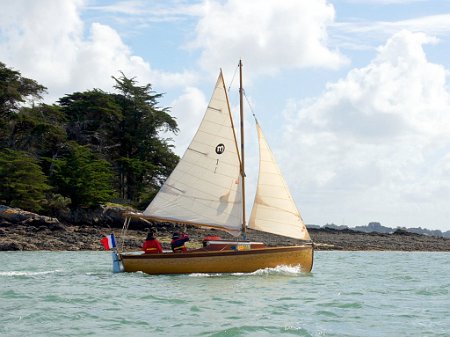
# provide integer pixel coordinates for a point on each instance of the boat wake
(28, 273)
(280, 270)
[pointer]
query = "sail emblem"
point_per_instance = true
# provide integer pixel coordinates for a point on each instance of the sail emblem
(220, 148)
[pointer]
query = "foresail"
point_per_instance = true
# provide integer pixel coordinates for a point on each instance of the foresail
(205, 188)
(274, 210)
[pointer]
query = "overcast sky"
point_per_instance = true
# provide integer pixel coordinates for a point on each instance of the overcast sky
(352, 95)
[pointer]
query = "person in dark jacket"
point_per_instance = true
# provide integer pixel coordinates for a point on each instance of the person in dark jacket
(151, 244)
(178, 241)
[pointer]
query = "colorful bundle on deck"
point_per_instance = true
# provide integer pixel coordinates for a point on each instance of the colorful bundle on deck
(109, 242)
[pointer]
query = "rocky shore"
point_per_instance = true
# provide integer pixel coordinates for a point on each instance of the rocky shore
(25, 231)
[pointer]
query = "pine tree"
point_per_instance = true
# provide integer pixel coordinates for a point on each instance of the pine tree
(146, 159)
(125, 128)
(22, 182)
(14, 91)
(84, 178)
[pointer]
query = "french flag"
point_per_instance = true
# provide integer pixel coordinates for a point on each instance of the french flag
(109, 242)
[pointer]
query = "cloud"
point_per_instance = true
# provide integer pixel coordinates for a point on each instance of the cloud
(38, 38)
(270, 36)
(123, 8)
(360, 34)
(383, 2)
(145, 12)
(48, 41)
(375, 145)
(188, 109)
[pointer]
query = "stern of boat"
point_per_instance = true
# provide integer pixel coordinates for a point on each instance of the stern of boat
(117, 266)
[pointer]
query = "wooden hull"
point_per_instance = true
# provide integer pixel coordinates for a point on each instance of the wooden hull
(229, 261)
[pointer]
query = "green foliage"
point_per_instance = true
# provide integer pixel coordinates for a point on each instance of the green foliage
(145, 159)
(22, 182)
(90, 147)
(93, 118)
(82, 177)
(55, 203)
(14, 91)
(39, 130)
(124, 128)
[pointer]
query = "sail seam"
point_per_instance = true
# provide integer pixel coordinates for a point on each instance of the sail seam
(202, 176)
(228, 215)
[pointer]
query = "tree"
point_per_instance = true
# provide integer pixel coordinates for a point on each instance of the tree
(90, 147)
(141, 144)
(84, 178)
(14, 91)
(125, 129)
(22, 182)
(39, 130)
(93, 119)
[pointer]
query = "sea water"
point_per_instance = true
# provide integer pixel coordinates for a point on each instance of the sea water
(347, 294)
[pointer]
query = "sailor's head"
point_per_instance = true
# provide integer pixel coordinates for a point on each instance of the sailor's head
(176, 235)
(150, 235)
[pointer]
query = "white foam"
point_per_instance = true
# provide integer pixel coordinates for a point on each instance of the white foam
(279, 270)
(28, 273)
(205, 275)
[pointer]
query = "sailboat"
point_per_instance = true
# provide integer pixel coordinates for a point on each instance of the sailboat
(207, 189)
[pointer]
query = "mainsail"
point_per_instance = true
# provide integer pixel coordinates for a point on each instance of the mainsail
(205, 187)
(274, 210)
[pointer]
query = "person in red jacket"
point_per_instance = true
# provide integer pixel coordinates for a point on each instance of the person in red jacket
(178, 241)
(151, 244)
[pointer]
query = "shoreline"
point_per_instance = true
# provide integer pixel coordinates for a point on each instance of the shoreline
(59, 237)
(25, 231)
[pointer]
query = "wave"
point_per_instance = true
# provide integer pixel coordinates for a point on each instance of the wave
(29, 273)
(279, 270)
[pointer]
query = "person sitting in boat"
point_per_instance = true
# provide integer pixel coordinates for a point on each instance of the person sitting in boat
(151, 244)
(178, 241)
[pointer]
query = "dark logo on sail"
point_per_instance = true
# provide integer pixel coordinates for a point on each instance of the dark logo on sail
(220, 148)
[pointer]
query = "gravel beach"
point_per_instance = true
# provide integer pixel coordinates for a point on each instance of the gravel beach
(72, 238)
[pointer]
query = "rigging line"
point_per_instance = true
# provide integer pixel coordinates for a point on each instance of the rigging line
(250, 106)
(234, 75)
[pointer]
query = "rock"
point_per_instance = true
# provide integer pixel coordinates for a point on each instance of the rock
(4, 223)
(10, 246)
(400, 231)
(16, 216)
(20, 230)
(103, 216)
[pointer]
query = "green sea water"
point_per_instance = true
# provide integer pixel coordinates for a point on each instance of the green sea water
(347, 294)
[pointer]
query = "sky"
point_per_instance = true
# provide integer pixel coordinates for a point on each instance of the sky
(352, 95)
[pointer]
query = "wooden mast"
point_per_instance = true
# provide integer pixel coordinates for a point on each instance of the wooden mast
(241, 110)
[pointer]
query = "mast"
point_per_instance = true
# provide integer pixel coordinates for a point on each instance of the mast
(241, 110)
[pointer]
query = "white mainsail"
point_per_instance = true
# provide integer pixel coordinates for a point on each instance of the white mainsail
(274, 210)
(205, 187)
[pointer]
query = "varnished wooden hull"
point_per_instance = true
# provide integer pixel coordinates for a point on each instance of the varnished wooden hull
(229, 261)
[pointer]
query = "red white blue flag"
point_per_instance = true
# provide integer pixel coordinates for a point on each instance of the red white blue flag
(109, 242)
